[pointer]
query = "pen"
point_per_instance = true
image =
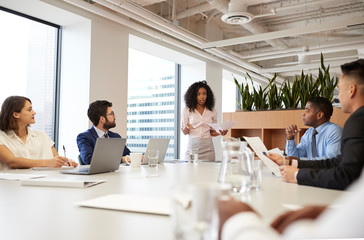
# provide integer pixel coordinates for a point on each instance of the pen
(64, 151)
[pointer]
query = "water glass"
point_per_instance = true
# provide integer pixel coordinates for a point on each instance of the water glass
(198, 219)
(153, 162)
(194, 155)
(257, 175)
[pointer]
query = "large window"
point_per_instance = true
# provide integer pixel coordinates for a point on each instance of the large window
(151, 101)
(28, 64)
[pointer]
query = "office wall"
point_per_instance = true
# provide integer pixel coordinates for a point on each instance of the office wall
(94, 61)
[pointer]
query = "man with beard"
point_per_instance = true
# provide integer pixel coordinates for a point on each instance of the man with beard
(103, 118)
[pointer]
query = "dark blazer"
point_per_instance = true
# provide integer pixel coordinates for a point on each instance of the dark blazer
(86, 142)
(339, 172)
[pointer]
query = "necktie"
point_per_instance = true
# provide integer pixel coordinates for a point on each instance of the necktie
(314, 149)
(106, 135)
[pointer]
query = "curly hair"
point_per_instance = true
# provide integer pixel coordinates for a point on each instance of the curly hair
(191, 96)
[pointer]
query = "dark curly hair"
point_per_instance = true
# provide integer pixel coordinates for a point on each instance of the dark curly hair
(191, 96)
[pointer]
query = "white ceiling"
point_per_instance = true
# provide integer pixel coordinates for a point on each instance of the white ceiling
(284, 36)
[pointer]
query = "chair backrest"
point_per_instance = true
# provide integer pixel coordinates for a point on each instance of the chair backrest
(80, 160)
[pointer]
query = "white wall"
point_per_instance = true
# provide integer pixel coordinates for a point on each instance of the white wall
(94, 61)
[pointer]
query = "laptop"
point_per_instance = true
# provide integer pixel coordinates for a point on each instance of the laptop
(157, 144)
(106, 157)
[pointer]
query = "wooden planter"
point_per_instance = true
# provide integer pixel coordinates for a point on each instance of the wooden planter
(270, 125)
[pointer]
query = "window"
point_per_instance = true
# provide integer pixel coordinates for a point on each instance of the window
(151, 101)
(28, 64)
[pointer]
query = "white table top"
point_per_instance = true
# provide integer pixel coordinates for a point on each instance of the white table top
(31, 212)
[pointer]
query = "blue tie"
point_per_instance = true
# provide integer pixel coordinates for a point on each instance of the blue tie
(314, 148)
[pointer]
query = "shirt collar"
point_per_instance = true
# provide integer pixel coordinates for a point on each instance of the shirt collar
(99, 132)
(319, 128)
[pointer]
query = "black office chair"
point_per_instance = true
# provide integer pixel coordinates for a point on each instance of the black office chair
(80, 160)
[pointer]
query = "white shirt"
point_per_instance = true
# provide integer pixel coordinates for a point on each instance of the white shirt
(342, 221)
(199, 122)
(38, 144)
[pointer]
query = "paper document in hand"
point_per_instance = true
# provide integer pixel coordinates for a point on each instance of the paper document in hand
(131, 203)
(60, 182)
(222, 126)
(258, 146)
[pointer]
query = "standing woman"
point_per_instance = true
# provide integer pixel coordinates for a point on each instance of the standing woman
(199, 112)
(21, 146)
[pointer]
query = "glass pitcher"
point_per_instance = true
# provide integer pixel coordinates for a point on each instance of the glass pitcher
(236, 167)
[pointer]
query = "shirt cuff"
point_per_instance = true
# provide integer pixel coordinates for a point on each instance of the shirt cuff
(294, 163)
(246, 225)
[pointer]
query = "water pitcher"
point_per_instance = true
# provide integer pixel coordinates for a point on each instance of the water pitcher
(236, 166)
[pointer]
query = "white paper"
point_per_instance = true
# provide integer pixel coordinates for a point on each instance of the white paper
(18, 176)
(258, 146)
(222, 126)
(131, 203)
(60, 182)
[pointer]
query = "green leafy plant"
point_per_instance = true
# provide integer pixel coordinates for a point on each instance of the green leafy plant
(274, 96)
(290, 95)
(308, 88)
(327, 84)
(247, 100)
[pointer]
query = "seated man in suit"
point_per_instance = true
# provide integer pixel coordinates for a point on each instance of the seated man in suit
(325, 143)
(103, 118)
(338, 172)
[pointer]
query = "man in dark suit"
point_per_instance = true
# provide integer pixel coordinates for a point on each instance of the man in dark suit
(103, 118)
(341, 171)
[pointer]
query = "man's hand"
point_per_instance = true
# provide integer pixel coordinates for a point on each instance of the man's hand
(288, 174)
(230, 207)
(291, 131)
(284, 220)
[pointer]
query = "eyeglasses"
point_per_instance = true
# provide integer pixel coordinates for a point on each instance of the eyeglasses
(111, 114)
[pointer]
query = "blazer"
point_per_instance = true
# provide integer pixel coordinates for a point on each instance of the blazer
(86, 142)
(341, 171)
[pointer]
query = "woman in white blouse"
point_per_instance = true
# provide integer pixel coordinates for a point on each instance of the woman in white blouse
(198, 113)
(21, 146)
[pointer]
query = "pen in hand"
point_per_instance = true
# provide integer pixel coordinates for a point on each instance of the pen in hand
(64, 153)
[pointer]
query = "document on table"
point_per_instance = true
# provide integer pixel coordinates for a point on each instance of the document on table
(60, 182)
(258, 146)
(222, 126)
(18, 176)
(52, 168)
(131, 203)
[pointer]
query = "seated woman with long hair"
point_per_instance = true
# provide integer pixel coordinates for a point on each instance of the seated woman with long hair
(21, 146)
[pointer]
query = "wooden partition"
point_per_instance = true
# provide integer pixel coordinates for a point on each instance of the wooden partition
(270, 125)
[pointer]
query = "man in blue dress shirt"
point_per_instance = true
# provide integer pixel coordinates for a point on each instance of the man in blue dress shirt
(103, 118)
(325, 143)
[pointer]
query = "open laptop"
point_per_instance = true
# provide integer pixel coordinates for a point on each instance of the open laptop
(157, 144)
(106, 157)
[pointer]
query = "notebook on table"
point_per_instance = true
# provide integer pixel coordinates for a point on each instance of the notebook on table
(157, 144)
(105, 158)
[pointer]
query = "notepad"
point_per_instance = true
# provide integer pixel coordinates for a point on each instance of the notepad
(131, 203)
(18, 176)
(59, 182)
(222, 126)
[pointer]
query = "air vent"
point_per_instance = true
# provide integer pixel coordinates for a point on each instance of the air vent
(237, 18)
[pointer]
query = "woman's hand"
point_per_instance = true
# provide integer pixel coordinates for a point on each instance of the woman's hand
(59, 161)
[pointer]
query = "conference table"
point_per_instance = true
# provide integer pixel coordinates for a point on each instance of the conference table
(35, 212)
